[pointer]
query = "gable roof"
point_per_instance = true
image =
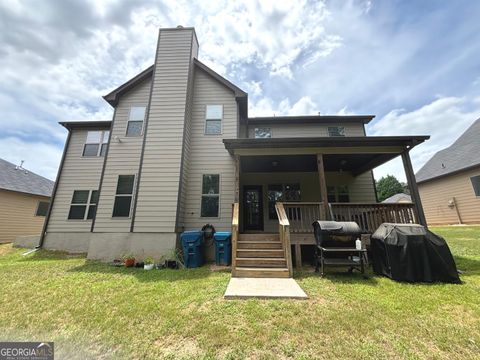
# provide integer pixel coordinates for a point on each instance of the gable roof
(461, 155)
(23, 181)
(402, 197)
(114, 95)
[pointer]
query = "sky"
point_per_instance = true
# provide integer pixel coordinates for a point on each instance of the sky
(413, 64)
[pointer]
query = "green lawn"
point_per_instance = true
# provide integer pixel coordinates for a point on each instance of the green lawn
(94, 310)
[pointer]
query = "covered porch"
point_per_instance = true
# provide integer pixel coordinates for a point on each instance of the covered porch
(312, 179)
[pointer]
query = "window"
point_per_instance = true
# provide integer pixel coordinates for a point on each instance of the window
(292, 192)
(331, 194)
(285, 192)
(263, 133)
(213, 119)
(274, 193)
(124, 195)
(83, 205)
(42, 208)
(96, 143)
(343, 195)
(210, 195)
(135, 121)
(338, 193)
(476, 184)
(336, 131)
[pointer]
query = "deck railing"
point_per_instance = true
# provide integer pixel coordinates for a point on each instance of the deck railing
(302, 214)
(367, 216)
(235, 221)
(284, 232)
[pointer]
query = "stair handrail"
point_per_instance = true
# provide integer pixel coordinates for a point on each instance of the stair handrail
(284, 233)
(235, 221)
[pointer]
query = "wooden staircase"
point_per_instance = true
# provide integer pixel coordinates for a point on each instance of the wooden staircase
(260, 255)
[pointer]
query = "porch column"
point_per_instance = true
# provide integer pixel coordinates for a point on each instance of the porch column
(323, 185)
(412, 185)
(237, 179)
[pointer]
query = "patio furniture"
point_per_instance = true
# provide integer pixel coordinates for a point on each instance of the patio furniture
(335, 246)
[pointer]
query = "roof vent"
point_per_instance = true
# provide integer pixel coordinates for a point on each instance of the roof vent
(443, 166)
(20, 167)
(179, 27)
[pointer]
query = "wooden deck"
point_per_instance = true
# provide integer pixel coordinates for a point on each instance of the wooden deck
(269, 255)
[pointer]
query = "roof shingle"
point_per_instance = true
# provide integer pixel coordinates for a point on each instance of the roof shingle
(462, 154)
(22, 180)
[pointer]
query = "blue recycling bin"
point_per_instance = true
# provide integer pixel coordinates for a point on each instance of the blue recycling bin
(223, 247)
(192, 248)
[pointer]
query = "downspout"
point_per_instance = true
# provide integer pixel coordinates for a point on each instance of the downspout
(55, 187)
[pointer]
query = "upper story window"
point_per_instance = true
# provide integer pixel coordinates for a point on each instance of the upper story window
(96, 143)
(213, 119)
(135, 121)
(42, 208)
(476, 184)
(263, 133)
(336, 131)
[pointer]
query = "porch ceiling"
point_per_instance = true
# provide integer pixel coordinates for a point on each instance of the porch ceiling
(354, 163)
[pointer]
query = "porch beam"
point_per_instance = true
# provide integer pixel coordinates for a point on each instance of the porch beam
(372, 164)
(412, 185)
(323, 185)
(237, 178)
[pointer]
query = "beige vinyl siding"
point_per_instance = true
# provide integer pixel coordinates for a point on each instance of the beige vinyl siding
(306, 130)
(78, 173)
(360, 188)
(159, 183)
(123, 159)
(436, 194)
(208, 154)
(185, 170)
(17, 215)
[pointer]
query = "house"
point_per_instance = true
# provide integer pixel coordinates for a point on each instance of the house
(25, 197)
(398, 198)
(449, 183)
(181, 149)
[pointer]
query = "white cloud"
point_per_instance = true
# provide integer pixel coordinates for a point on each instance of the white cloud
(266, 107)
(444, 119)
(39, 157)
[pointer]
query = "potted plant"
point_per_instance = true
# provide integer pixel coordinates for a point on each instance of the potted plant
(149, 263)
(128, 260)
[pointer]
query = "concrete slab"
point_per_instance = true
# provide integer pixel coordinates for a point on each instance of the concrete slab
(264, 288)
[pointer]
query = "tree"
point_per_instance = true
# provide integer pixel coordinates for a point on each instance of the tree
(388, 186)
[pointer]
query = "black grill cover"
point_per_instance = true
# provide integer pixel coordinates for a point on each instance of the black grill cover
(408, 252)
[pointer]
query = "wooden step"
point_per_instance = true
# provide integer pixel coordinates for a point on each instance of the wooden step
(259, 237)
(261, 272)
(262, 253)
(259, 262)
(259, 244)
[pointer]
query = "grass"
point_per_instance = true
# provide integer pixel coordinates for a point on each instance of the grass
(92, 310)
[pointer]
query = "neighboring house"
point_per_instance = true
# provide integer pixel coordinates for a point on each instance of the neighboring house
(449, 182)
(25, 198)
(181, 150)
(398, 198)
